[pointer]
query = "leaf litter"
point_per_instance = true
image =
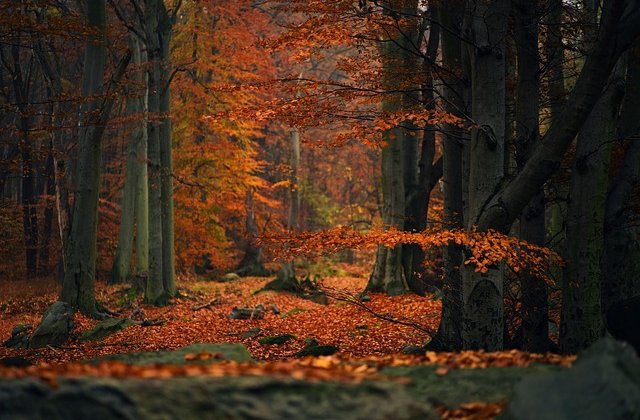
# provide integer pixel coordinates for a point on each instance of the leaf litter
(366, 343)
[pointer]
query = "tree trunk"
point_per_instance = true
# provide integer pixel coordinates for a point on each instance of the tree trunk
(428, 173)
(28, 194)
(621, 260)
(449, 335)
(166, 160)
(581, 299)
(482, 292)
(142, 191)
(155, 292)
(49, 190)
(535, 327)
(399, 154)
(121, 268)
(78, 284)
(287, 275)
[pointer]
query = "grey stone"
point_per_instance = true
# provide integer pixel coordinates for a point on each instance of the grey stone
(603, 384)
(55, 327)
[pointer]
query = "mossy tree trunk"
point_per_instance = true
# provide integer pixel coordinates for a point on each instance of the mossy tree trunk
(621, 260)
(581, 299)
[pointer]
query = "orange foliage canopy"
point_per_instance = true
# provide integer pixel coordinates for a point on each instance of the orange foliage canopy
(482, 249)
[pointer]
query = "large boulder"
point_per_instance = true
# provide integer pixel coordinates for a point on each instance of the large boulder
(55, 327)
(603, 384)
(207, 397)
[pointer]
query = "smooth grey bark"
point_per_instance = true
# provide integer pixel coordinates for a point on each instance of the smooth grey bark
(121, 269)
(482, 292)
(621, 260)
(78, 283)
(581, 317)
(619, 27)
(535, 327)
(449, 335)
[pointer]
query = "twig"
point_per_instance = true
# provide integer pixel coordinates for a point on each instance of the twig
(342, 296)
(208, 305)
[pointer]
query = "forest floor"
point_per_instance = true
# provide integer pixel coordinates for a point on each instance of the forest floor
(366, 342)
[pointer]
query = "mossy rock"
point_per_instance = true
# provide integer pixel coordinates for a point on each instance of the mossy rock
(55, 327)
(278, 339)
(207, 397)
(106, 328)
(463, 385)
(228, 278)
(226, 351)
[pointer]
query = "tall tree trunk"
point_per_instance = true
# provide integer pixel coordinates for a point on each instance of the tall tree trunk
(449, 335)
(166, 160)
(556, 194)
(399, 154)
(621, 260)
(78, 284)
(28, 175)
(535, 327)
(49, 190)
(581, 299)
(142, 191)
(483, 292)
(155, 292)
(121, 268)
(427, 172)
(287, 275)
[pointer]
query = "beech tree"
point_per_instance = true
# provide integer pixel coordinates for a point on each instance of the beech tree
(79, 277)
